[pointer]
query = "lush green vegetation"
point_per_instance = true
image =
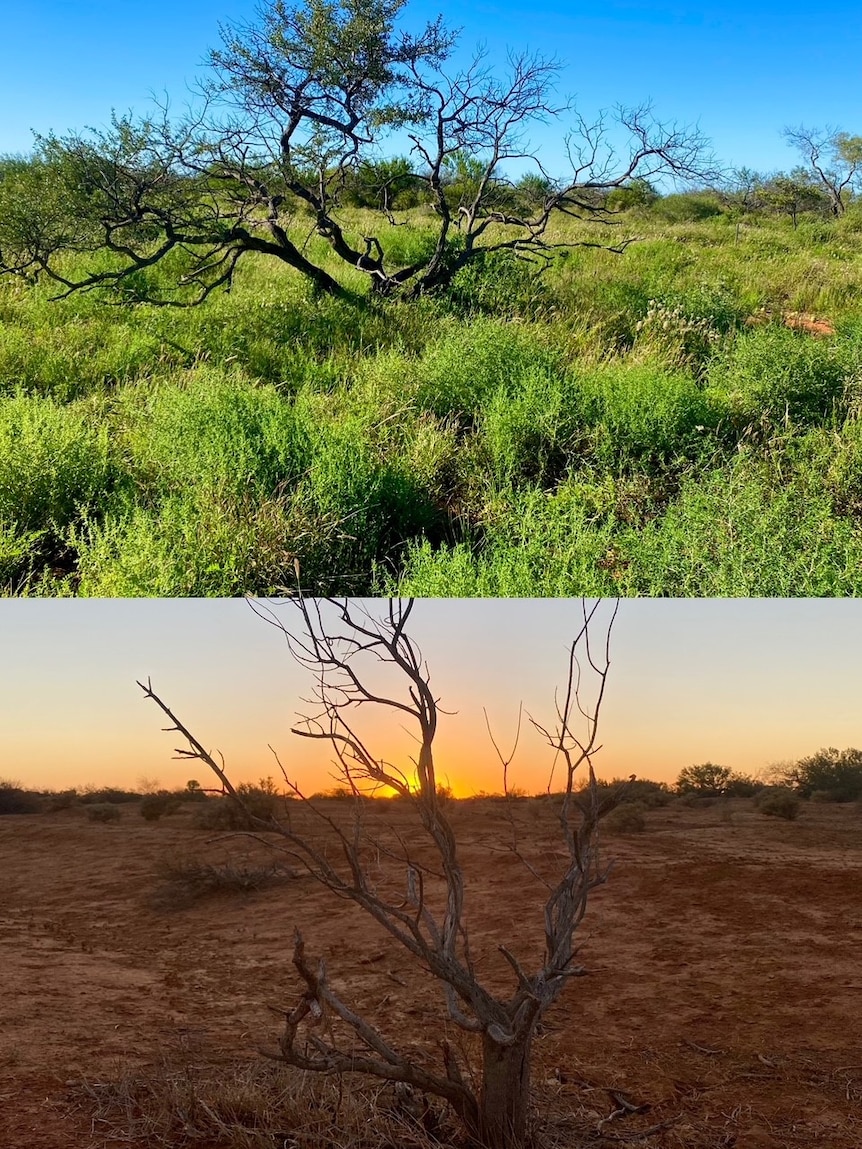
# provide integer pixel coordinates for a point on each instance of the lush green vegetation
(643, 423)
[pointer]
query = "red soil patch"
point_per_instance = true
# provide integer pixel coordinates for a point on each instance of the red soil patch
(796, 320)
(724, 983)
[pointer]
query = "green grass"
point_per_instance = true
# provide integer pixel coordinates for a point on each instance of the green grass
(614, 426)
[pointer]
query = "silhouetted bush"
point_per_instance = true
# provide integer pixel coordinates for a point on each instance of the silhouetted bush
(835, 775)
(108, 794)
(15, 800)
(103, 812)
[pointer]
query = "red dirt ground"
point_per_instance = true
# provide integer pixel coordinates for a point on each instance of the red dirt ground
(724, 959)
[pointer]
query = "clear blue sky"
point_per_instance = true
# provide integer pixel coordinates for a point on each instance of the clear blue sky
(744, 683)
(742, 71)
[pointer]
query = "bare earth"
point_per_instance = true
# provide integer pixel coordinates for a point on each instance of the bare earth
(724, 988)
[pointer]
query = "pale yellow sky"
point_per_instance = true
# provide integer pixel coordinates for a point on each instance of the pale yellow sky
(740, 682)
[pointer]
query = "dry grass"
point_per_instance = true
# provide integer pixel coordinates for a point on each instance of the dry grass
(178, 1104)
(257, 1105)
(185, 880)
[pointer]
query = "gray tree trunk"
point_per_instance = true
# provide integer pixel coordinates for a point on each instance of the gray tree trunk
(505, 1097)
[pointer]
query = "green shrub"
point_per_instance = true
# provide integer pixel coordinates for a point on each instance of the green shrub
(461, 369)
(745, 530)
(212, 432)
(55, 462)
(532, 433)
(500, 285)
(645, 412)
(189, 545)
(103, 812)
(685, 207)
(772, 374)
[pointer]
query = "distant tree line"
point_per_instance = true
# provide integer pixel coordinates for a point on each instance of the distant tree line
(830, 775)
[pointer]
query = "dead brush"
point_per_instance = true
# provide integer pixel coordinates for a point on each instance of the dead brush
(177, 1104)
(186, 880)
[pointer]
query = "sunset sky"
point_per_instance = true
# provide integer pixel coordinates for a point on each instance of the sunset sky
(742, 71)
(743, 683)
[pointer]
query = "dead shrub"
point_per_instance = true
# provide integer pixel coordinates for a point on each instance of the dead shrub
(187, 880)
(103, 812)
(626, 819)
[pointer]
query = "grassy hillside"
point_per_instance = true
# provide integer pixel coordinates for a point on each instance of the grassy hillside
(671, 421)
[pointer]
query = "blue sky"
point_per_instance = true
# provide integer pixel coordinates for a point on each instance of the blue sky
(742, 71)
(744, 683)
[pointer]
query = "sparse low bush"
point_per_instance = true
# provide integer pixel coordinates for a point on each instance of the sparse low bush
(108, 794)
(226, 813)
(692, 801)
(103, 812)
(155, 806)
(61, 800)
(186, 880)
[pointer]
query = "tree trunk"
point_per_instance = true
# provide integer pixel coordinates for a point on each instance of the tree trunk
(504, 1101)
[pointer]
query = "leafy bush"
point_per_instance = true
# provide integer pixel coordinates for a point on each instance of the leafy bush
(212, 432)
(781, 805)
(103, 812)
(833, 773)
(694, 801)
(628, 818)
(741, 786)
(645, 793)
(706, 778)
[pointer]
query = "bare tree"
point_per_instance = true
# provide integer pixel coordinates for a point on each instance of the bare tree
(295, 107)
(833, 157)
(341, 644)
